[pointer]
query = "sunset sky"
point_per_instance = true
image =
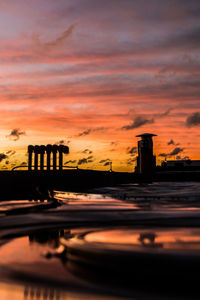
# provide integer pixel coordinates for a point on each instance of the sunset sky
(94, 74)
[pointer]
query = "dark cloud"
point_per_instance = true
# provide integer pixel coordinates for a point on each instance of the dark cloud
(89, 159)
(62, 142)
(171, 142)
(130, 161)
(11, 152)
(3, 156)
(87, 151)
(104, 161)
(138, 122)
(107, 163)
(15, 134)
(176, 151)
(85, 132)
(132, 150)
(70, 161)
(193, 120)
(88, 131)
(82, 161)
(141, 120)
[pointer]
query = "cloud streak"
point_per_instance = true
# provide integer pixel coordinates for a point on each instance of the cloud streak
(90, 130)
(139, 121)
(174, 152)
(87, 160)
(43, 48)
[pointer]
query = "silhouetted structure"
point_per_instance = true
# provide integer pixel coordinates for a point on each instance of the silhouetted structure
(62, 149)
(48, 150)
(41, 179)
(182, 163)
(43, 293)
(30, 153)
(146, 161)
(42, 152)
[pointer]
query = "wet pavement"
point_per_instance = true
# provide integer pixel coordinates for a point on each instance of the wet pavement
(63, 248)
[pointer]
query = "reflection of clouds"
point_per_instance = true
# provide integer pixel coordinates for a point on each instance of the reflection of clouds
(37, 293)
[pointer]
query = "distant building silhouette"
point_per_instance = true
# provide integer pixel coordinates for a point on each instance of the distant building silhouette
(39, 155)
(181, 162)
(146, 161)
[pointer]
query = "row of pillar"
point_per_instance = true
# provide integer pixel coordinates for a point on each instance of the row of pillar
(40, 151)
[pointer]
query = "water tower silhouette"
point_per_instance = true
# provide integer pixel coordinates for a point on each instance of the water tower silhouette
(146, 161)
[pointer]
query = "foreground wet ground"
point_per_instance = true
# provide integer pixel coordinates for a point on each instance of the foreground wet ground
(126, 242)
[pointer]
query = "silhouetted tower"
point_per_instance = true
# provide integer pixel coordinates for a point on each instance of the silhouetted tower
(146, 161)
(30, 154)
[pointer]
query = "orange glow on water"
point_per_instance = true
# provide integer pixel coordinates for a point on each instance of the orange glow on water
(168, 239)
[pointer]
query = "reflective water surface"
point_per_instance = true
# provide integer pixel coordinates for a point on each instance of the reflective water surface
(35, 292)
(181, 238)
(34, 263)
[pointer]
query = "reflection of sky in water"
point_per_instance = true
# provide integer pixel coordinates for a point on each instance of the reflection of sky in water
(156, 189)
(158, 201)
(155, 196)
(86, 201)
(32, 292)
(79, 196)
(180, 239)
(47, 278)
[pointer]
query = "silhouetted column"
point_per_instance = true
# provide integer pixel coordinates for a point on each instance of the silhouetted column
(49, 150)
(54, 150)
(60, 150)
(30, 153)
(42, 152)
(36, 150)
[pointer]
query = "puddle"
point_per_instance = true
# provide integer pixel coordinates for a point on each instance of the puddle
(49, 261)
(179, 239)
